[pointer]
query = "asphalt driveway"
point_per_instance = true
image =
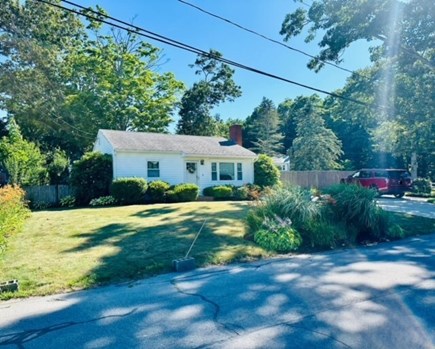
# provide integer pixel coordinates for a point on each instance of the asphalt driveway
(374, 297)
(406, 205)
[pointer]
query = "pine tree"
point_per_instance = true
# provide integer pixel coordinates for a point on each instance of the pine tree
(315, 147)
(262, 130)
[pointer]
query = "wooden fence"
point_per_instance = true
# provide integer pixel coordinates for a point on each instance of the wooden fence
(316, 179)
(50, 194)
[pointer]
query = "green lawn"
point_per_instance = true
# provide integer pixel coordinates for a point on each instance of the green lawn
(62, 250)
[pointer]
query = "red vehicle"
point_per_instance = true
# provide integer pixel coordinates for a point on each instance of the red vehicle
(384, 181)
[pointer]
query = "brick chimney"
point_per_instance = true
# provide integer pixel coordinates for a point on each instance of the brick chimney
(236, 134)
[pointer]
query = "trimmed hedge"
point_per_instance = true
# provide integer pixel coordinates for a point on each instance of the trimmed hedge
(157, 191)
(183, 193)
(129, 191)
(231, 192)
(266, 174)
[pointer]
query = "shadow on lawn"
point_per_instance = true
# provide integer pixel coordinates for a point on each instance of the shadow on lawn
(378, 297)
(139, 250)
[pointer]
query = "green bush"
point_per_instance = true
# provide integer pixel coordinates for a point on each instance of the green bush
(103, 201)
(222, 192)
(241, 193)
(13, 212)
(278, 235)
(395, 232)
(324, 234)
(68, 201)
(421, 186)
(185, 192)
(266, 174)
(91, 176)
(355, 206)
(156, 191)
(129, 191)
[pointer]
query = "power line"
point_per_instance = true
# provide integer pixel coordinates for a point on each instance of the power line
(264, 36)
(160, 38)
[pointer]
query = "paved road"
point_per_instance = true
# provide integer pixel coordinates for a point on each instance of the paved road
(411, 206)
(374, 297)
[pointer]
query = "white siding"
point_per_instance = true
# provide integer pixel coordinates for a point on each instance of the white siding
(102, 144)
(205, 171)
(131, 164)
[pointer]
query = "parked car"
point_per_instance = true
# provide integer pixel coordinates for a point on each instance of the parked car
(384, 181)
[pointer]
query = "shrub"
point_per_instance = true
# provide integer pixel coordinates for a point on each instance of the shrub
(40, 205)
(421, 186)
(68, 201)
(254, 191)
(186, 192)
(103, 201)
(278, 235)
(91, 176)
(241, 193)
(156, 191)
(355, 206)
(13, 212)
(222, 192)
(395, 232)
(290, 202)
(129, 191)
(324, 234)
(265, 172)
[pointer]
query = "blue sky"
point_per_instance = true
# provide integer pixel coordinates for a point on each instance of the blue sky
(186, 24)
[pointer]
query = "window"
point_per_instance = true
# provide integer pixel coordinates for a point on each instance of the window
(213, 171)
(239, 171)
(153, 169)
(226, 171)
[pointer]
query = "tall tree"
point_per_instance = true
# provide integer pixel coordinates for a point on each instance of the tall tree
(61, 83)
(402, 78)
(287, 114)
(216, 87)
(315, 146)
(262, 130)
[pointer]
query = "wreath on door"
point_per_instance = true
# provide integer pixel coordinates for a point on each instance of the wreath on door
(191, 167)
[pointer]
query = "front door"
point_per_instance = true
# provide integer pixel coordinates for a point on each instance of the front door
(191, 174)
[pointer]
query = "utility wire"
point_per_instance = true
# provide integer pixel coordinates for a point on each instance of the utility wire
(265, 37)
(160, 38)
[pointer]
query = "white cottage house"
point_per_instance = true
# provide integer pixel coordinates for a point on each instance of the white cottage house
(205, 161)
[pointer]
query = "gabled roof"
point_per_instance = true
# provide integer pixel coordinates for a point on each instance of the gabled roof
(188, 145)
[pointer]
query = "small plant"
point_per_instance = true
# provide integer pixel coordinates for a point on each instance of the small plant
(40, 205)
(103, 201)
(421, 186)
(395, 232)
(266, 174)
(68, 201)
(278, 235)
(156, 191)
(129, 191)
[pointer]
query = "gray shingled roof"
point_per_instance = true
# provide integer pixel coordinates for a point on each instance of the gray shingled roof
(189, 145)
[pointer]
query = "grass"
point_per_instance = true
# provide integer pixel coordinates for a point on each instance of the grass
(413, 225)
(64, 250)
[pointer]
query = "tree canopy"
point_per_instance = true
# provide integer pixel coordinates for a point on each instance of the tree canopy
(217, 86)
